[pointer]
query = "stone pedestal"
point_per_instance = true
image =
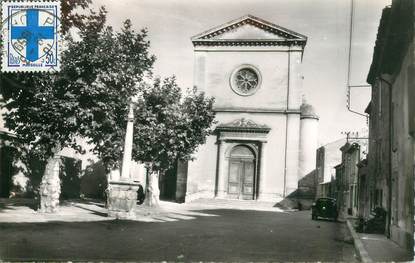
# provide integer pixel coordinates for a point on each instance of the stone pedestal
(122, 199)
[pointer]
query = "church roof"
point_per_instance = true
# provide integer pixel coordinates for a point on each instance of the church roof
(249, 30)
(308, 111)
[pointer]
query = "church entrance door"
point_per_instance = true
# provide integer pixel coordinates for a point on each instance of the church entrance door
(241, 173)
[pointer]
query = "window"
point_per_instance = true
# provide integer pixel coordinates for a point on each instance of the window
(245, 80)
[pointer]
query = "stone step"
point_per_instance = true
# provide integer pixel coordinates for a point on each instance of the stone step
(229, 203)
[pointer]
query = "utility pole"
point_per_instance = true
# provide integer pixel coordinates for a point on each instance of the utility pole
(349, 62)
(353, 135)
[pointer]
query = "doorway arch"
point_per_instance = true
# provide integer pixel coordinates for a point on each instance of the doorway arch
(242, 173)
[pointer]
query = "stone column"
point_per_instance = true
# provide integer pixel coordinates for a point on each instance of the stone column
(128, 146)
(221, 184)
(122, 193)
(262, 172)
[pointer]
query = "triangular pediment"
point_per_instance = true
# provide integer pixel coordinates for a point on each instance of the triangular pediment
(243, 125)
(248, 32)
(249, 29)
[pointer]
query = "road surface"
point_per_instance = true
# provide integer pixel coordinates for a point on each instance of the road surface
(212, 235)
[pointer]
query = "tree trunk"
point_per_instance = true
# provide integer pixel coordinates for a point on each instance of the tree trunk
(50, 187)
(152, 190)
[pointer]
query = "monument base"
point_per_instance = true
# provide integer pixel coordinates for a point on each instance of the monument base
(122, 199)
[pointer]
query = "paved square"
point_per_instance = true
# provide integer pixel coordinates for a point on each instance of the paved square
(198, 231)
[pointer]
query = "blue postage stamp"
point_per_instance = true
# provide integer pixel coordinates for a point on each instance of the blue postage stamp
(30, 36)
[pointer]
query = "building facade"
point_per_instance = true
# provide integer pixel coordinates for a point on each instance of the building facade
(363, 207)
(391, 149)
(348, 178)
(266, 136)
(328, 156)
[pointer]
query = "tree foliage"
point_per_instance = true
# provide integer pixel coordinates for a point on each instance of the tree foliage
(108, 67)
(69, 17)
(22, 91)
(89, 97)
(170, 126)
(100, 72)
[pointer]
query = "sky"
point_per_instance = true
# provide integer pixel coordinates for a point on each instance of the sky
(326, 23)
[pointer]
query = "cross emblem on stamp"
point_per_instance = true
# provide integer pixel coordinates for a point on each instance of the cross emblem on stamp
(30, 34)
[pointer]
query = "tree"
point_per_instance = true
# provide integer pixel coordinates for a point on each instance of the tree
(69, 17)
(169, 127)
(20, 89)
(108, 67)
(17, 85)
(88, 98)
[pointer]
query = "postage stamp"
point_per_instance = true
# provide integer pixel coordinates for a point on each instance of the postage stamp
(30, 36)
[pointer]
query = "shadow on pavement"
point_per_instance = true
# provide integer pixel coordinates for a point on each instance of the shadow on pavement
(9, 203)
(223, 235)
(94, 212)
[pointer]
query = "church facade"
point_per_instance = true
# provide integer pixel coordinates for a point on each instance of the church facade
(265, 137)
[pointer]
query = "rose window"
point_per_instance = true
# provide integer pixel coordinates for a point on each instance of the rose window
(245, 80)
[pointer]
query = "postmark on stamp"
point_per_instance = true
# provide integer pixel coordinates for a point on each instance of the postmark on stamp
(30, 36)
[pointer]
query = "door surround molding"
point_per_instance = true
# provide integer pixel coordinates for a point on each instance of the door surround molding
(239, 132)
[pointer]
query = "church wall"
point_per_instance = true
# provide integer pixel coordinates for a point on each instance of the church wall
(295, 80)
(293, 144)
(201, 176)
(273, 67)
(202, 171)
(199, 74)
(308, 146)
(274, 149)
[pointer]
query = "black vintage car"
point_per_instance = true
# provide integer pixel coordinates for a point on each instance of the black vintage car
(324, 208)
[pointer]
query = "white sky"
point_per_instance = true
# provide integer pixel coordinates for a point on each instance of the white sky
(171, 23)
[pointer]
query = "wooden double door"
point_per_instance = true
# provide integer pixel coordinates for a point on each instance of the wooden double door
(241, 178)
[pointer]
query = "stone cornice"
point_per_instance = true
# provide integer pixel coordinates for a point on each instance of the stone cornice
(256, 110)
(249, 42)
(246, 49)
(284, 37)
(309, 116)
